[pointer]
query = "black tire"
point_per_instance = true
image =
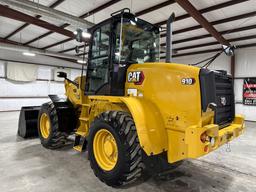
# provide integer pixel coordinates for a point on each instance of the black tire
(129, 166)
(56, 139)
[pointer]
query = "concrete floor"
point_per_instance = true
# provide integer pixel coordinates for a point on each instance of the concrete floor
(28, 167)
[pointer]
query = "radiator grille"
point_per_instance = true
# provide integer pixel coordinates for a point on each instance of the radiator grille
(217, 87)
(224, 99)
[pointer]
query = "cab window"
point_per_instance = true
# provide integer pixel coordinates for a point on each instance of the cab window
(98, 68)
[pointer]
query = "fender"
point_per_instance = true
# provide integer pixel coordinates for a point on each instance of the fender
(149, 124)
(66, 113)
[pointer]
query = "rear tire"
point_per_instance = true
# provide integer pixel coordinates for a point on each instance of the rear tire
(51, 138)
(128, 166)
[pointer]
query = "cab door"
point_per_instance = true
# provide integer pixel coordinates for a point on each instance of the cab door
(98, 70)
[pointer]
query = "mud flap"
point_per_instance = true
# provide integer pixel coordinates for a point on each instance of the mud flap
(28, 122)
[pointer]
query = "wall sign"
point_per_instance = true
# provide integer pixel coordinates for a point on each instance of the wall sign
(249, 91)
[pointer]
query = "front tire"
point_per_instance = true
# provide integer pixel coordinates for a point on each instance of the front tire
(48, 127)
(113, 147)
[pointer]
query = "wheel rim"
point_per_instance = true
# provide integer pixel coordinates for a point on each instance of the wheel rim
(105, 149)
(45, 126)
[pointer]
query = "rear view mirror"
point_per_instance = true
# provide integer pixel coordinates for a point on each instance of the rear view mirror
(62, 75)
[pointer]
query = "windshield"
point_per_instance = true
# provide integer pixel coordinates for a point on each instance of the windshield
(136, 41)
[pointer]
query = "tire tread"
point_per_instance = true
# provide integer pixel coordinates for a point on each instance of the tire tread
(124, 125)
(57, 139)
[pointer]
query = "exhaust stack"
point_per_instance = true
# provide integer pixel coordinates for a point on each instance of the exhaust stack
(169, 48)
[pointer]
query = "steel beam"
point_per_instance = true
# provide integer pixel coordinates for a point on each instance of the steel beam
(217, 22)
(232, 65)
(229, 31)
(2, 40)
(19, 29)
(211, 50)
(100, 8)
(155, 7)
(206, 10)
(57, 43)
(216, 42)
(194, 53)
(44, 35)
(52, 14)
(13, 45)
(87, 14)
(16, 15)
(55, 4)
(193, 12)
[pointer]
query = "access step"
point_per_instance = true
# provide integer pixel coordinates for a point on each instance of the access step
(80, 142)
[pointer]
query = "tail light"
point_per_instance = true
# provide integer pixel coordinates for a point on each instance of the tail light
(206, 148)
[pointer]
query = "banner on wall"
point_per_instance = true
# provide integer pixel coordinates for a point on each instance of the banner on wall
(249, 91)
(21, 72)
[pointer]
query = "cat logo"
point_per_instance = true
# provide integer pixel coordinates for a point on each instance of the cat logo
(223, 101)
(136, 77)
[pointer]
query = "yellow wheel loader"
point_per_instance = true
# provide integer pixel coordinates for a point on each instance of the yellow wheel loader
(130, 108)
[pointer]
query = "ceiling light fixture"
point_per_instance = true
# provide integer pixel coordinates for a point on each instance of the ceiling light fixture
(29, 54)
(81, 61)
(86, 35)
(81, 34)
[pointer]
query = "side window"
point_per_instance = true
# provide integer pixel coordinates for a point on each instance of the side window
(98, 72)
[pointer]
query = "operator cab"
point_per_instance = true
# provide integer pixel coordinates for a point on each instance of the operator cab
(115, 44)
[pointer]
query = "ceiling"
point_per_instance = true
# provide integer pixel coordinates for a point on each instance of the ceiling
(235, 20)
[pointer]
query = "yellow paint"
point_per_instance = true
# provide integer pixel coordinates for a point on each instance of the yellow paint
(150, 128)
(78, 148)
(45, 126)
(104, 103)
(195, 148)
(166, 104)
(167, 114)
(105, 149)
(76, 94)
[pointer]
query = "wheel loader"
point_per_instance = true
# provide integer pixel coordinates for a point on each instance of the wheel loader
(130, 107)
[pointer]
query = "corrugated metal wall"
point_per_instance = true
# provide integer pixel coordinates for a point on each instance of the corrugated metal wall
(14, 95)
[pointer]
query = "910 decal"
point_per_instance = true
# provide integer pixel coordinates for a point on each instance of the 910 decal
(136, 77)
(188, 81)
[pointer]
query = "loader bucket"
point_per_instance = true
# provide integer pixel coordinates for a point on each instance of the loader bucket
(28, 122)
